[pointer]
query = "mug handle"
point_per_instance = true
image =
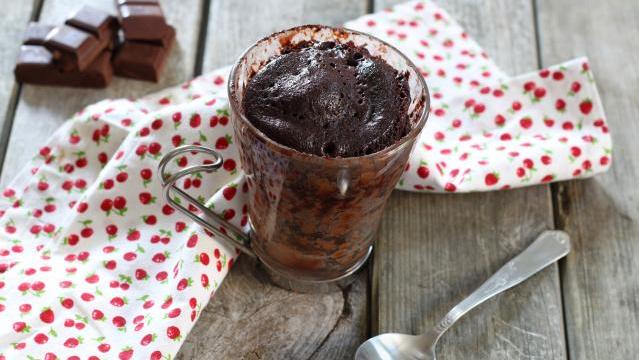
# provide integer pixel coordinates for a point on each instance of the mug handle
(211, 221)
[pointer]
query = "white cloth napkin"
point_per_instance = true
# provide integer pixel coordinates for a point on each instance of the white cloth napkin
(94, 264)
(487, 131)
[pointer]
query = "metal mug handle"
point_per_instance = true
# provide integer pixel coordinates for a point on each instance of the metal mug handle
(209, 220)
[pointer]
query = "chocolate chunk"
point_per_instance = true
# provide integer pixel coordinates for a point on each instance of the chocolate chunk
(73, 49)
(36, 33)
(34, 55)
(96, 22)
(35, 65)
(142, 61)
(142, 22)
(166, 39)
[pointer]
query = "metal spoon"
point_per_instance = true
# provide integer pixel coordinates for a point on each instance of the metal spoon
(549, 247)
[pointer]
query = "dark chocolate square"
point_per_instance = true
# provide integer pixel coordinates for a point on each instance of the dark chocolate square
(99, 23)
(142, 22)
(142, 61)
(68, 38)
(165, 38)
(73, 49)
(36, 33)
(34, 55)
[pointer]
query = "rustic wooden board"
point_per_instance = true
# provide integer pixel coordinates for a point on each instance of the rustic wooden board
(249, 318)
(600, 282)
(16, 15)
(234, 25)
(435, 249)
(41, 110)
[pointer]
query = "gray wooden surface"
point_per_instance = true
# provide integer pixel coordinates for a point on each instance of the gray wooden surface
(432, 250)
(19, 14)
(435, 249)
(601, 276)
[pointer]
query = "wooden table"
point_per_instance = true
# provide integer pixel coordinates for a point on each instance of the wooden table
(433, 249)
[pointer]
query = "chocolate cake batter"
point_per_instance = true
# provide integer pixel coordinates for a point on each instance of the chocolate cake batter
(328, 99)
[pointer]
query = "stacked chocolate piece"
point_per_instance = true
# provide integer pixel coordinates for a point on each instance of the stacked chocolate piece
(148, 39)
(79, 53)
(76, 54)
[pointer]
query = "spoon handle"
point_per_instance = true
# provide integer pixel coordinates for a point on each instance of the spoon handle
(549, 247)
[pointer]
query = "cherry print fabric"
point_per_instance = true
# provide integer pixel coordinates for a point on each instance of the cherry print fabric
(94, 264)
(486, 131)
(528, 130)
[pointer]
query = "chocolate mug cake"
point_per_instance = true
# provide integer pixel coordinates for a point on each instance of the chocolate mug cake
(329, 99)
(325, 120)
(327, 142)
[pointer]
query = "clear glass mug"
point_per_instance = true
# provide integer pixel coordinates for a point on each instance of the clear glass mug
(313, 219)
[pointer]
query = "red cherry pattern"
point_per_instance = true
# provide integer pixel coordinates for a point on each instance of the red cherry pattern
(492, 116)
(121, 249)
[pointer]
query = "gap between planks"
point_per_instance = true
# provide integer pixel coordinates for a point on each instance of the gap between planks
(14, 97)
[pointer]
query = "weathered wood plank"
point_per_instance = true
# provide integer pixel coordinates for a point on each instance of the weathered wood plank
(16, 15)
(41, 110)
(434, 250)
(234, 25)
(249, 318)
(600, 283)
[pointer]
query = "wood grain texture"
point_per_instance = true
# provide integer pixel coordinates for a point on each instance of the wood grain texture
(600, 282)
(16, 14)
(248, 318)
(41, 110)
(435, 249)
(236, 24)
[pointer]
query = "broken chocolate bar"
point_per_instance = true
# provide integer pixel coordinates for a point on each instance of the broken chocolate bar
(143, 61)
(36, 33)
(96, 22)
(35, 65)
(73, 49)
(142, 22)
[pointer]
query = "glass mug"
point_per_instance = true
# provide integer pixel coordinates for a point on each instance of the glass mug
(313, 219)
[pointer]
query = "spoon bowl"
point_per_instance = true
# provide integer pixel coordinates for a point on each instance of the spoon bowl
(395, 346)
